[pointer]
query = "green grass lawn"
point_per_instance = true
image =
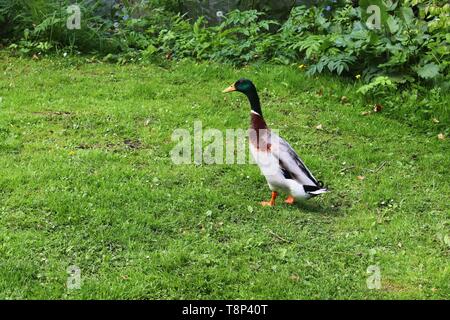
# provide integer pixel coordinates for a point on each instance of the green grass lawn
(86, 179)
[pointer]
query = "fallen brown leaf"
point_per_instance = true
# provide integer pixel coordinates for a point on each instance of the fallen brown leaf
(377, 107)
(360, 177)
(294, 277)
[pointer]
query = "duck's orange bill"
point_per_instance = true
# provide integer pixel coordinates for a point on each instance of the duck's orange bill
(229, 89)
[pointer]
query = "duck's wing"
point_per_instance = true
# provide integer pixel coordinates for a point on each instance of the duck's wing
(290, 163)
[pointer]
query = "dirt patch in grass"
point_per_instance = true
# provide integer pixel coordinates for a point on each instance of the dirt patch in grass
(53, 113)
(127, 144)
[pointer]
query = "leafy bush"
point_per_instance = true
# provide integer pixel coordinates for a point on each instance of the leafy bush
(412, 44)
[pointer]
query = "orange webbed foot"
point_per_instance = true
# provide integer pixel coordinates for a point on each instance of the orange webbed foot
(270, 203)
(290, 200)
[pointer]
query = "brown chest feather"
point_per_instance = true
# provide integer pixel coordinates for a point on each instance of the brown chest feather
(259, 134)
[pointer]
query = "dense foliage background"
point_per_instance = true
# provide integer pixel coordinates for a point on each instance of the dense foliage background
(410, 49)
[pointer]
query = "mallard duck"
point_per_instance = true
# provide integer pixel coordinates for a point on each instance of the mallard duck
(278, 161)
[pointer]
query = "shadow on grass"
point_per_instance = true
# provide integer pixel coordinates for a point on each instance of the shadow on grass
(314, 207)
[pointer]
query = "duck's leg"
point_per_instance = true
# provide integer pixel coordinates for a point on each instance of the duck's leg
(270, 203)
(290, 200)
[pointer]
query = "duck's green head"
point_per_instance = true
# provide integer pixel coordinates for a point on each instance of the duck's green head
(242, 85)
(248, 88)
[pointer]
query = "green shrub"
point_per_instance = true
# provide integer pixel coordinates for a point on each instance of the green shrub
(407, 49)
